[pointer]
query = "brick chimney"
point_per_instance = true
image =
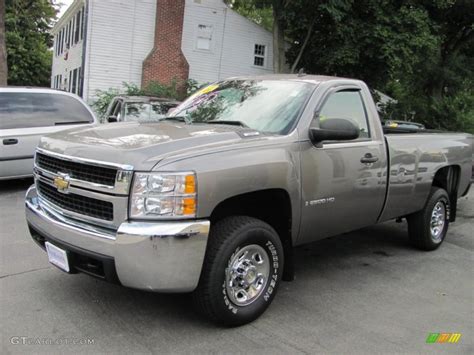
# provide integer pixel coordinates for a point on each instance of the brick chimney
(166, 61)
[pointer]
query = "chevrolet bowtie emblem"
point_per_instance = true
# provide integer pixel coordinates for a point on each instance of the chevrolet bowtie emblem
(61, 182)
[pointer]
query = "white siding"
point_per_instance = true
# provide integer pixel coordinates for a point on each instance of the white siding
(233, 42)
(121, 34)
(71, 58)
(241, 36)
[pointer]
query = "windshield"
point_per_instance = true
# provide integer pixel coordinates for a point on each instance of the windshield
(139, 111)
(271, 106)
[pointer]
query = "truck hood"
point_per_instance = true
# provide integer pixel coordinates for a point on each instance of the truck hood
(143, 145)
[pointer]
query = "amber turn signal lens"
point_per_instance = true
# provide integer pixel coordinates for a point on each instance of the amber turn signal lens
(189, 206)
(190, 184)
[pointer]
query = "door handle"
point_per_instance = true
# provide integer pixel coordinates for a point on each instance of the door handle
(10, 141)
(369, 159)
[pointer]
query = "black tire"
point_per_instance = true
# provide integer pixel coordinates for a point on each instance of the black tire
(419, 223)
(226, 239)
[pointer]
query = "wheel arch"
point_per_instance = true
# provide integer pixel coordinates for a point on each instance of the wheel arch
(273, 206)
(448, 178)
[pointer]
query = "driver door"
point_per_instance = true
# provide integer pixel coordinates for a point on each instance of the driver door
(340, 190)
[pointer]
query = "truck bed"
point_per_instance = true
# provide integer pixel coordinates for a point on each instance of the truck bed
(413, 158)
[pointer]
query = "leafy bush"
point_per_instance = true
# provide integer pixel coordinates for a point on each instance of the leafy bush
(103, 100)
(453, 112)
(154, 88)
(192, 86)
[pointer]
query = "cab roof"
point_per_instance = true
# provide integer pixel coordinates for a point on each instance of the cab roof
(314, 79)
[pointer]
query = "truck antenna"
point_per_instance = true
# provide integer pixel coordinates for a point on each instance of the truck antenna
(301, 72)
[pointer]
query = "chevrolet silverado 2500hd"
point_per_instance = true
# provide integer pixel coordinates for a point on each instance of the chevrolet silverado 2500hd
(213, 199)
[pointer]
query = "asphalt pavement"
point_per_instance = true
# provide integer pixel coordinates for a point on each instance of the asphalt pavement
(365, 292)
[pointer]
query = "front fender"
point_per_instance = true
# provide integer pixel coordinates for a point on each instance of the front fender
(222, 175)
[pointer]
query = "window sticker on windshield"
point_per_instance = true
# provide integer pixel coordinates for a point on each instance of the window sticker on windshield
(208, 89)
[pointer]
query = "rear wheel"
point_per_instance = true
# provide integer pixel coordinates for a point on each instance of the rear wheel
(428, 227)
(241, 272)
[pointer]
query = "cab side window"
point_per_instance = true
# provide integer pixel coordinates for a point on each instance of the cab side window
(348, 105)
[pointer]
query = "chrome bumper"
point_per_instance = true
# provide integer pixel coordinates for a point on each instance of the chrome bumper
(161, 256)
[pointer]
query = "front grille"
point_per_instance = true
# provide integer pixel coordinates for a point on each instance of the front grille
(76, 203)
(79, 171)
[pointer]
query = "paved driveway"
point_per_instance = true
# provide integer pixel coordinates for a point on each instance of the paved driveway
(362, 292)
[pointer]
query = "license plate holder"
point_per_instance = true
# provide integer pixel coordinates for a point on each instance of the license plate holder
(57, 256)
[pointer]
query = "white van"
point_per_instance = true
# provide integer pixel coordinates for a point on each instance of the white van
(26, 114)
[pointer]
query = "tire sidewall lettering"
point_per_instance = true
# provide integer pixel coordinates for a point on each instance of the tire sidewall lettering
(271, 284)
(447, 207)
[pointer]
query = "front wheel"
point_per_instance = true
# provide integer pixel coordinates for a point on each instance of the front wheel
(241, 272)
(428, 227)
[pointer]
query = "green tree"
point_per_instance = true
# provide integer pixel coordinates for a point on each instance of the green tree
(28, 41)
(3, 49)
(418, 51)
(259, 11)
(441, 92)
(371, 40)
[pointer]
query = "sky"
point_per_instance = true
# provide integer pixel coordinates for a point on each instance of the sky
(65, 6)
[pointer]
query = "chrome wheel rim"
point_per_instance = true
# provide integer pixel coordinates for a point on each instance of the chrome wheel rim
(438, 219)
(247, 274)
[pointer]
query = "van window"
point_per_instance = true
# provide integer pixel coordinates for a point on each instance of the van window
(23, 110)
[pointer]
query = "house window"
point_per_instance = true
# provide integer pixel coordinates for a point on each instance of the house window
(73, 26)
(69, 87)
(61, 41)
(204, 37)
(78, 27)
(82, 22)
(79, 81)
(66, 37)
(259, 55)
(57, 81)
(74, 81)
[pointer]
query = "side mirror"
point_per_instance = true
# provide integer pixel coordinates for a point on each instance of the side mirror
(112, 118)
(334, 129)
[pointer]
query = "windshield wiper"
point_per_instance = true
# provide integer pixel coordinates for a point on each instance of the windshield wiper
(70, 123)
(175, 118)
(232, 123)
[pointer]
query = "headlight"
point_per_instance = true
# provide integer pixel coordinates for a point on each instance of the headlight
(163, 195)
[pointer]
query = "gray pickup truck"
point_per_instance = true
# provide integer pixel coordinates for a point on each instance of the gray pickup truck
(213, 199)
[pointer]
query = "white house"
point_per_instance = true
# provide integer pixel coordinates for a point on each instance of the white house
(99, 44)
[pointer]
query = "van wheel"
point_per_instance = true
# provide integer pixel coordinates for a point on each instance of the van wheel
(428, 227)
(241, 272)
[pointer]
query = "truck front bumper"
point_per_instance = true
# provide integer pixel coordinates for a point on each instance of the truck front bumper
(154, 256)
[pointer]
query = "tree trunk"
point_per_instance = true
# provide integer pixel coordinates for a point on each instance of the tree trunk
(3, 48)
(278, 37)
(303, 47)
